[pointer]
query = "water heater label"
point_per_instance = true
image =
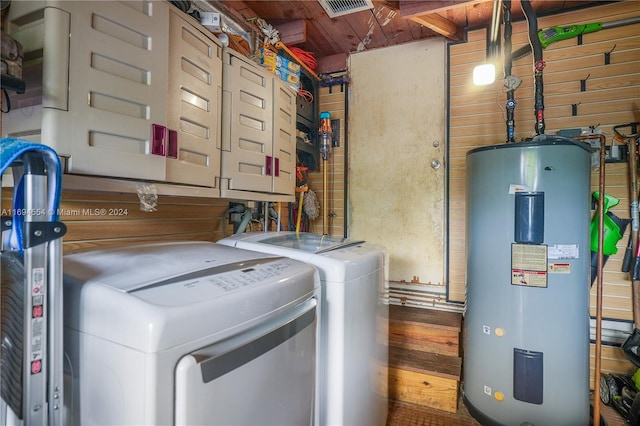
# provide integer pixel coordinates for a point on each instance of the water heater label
(513, 188)
(564, 251)
(529, 265)
(560, 268)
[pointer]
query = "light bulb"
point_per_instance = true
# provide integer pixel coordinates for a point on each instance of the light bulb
(484, 74)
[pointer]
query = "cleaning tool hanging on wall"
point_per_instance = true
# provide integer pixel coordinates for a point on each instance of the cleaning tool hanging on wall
(632, 155)
(550, 35)
(311, 205)
(614, 229)
(631, 346)
(326, 135)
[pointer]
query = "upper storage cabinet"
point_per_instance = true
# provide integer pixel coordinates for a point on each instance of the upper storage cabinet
(104, 82)
(195, 94)
(129, 89)
(258, 132)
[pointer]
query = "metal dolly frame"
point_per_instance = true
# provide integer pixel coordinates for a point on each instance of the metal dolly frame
(34, 231)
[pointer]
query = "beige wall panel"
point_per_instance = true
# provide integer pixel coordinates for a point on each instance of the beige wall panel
(397, 198)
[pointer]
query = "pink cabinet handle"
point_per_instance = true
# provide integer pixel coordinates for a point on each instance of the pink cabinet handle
(268, 165)
(159, 136)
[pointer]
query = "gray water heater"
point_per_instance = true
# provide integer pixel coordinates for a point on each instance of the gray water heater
(526, 354)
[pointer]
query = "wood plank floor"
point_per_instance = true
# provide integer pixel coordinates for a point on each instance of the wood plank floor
(405, 414)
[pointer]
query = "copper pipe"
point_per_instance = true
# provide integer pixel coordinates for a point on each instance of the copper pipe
(598, 348)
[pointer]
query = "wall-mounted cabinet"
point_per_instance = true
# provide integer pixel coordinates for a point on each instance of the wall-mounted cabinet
(104, 82)
(194, 101)
(258, 132)
(110, 104)
(133, 91)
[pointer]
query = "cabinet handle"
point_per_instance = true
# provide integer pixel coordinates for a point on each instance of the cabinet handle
(268, 166)
(276, 166)
(172, 146)
(226, 120)
(159, 136)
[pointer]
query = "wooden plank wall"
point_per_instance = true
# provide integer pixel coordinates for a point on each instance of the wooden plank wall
(611, 97)
(332, 99)
(96, 219)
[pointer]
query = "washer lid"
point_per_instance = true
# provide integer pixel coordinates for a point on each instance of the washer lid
(155, 296)
(312, 243)
(337, 259)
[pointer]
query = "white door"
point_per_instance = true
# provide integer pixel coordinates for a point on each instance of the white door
(396, 157)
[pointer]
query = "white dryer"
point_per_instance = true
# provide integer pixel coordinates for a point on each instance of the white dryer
(190, 333)
(354, 320)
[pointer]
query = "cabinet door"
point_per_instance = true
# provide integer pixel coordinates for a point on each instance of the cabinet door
(195, 89)
(284, 138)
(117, 80)
(117, 56)
(247, 125)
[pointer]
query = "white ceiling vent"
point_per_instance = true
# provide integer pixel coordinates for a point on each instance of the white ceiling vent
(343, 7)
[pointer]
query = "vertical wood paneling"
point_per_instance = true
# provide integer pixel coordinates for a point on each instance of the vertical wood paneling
(610, 98)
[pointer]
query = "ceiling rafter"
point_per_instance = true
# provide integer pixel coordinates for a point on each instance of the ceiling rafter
(427, 13)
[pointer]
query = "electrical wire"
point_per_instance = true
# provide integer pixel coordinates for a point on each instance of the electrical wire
(305, 94)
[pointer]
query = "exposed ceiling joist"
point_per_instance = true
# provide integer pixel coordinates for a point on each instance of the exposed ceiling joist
(391, 22)
(294, 32)
(410, 8)
(426, 12)
(440, 25)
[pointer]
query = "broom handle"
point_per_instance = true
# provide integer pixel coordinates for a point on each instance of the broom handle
(635, 275)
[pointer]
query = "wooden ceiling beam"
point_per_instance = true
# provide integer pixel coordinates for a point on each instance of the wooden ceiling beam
(333, 63)
(410, 8)
(440, 25)
(427, 13)
(294, 32)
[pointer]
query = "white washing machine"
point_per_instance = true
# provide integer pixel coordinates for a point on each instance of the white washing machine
(354, 320)
(189, 333)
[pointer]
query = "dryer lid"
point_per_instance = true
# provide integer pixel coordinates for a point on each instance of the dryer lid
(137, 267)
